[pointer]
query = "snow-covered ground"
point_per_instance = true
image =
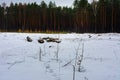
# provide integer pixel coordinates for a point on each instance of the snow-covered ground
(19, 59)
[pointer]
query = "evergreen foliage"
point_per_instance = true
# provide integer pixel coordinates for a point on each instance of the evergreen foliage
(98, 17)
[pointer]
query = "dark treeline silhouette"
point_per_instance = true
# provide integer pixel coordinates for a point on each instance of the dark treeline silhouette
(98, 17)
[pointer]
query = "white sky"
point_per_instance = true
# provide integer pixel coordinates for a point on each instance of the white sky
(58, 2)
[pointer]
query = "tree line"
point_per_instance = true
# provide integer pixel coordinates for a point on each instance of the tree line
(97, 17)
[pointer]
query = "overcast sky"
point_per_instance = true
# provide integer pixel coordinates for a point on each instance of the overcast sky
(58, 2)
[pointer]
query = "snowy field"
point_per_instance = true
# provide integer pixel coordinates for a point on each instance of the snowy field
(20, 60)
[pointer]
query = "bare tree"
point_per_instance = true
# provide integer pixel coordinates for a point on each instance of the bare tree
(112, 16)
(5, 12)
(94, 4)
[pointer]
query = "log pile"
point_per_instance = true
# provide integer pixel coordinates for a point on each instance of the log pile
(47, 39)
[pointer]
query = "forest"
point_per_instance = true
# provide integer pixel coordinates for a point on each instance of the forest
(101, 16)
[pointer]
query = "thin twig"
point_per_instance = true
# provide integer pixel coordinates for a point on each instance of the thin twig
(77, 50)
(57, 51)
(40, 54)
(67, 63)
(73, 72)
(81, 58)
(16, 62)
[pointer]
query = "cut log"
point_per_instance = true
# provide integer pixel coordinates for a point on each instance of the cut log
(29, 39)
(41, 40)
(58, 41)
